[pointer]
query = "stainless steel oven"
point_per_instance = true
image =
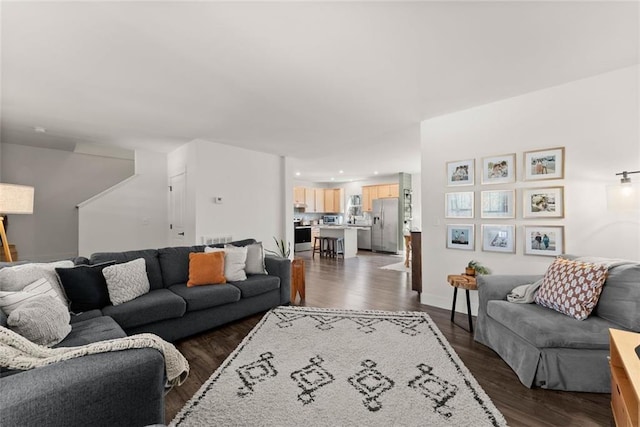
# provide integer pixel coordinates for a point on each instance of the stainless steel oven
(302, 238)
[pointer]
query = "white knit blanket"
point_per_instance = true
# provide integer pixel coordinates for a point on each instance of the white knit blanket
(17, 352)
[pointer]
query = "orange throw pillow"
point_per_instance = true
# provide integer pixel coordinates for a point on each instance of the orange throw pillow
(206, 269)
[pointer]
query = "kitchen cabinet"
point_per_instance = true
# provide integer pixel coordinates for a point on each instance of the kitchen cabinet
(388, 190)
(298, 195)
(310, 200)
(338, 200)
(329, 201)
(369, 194)
(373, 192)
(319, 199)
(333, 200)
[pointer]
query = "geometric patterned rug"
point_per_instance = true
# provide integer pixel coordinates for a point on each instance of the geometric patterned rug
(304, 366)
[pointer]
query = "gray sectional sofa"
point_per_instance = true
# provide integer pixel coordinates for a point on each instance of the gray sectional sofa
(548, 349)
(127, 387)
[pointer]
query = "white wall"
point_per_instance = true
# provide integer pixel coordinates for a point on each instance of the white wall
(61, 179)
(132, 215)
(595, 119)
(416, 201)
(250, 183)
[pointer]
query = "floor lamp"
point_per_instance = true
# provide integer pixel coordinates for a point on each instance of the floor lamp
(14, 199)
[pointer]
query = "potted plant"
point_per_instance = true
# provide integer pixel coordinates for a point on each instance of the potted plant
(281, 250)
(474, 267)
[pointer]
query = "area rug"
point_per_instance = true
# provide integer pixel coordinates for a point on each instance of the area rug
(305, 366)
(398, 266)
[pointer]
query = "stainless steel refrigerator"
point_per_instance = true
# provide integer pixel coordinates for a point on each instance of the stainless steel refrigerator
(384, 231)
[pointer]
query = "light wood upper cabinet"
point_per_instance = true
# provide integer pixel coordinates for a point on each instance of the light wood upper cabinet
(388, 190)
(310, 199)
(329, 201)
(319, 197)
(298, 195)
(338, 199)
(372, 192)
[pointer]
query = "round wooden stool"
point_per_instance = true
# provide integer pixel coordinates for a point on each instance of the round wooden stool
(468, 283)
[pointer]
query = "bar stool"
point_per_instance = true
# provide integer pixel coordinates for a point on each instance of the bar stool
(318, 243)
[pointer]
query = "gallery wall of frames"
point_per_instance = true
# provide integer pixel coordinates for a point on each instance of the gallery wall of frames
(501, 204)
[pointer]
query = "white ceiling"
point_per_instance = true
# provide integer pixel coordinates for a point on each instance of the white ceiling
(337, 85)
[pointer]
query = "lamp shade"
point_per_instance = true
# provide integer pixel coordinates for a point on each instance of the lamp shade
(16, 199)
(623, 197)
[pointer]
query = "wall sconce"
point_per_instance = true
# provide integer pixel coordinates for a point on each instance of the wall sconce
(624, 196)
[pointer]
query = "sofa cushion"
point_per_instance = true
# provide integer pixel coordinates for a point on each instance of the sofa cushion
(150, 258)
(201, 297)
(257, 284)
(174, 263)
(545, 328)
(85, 286)
(126, 281)
(572, 287)
(156, 305)
(206, 269)
(92, 330)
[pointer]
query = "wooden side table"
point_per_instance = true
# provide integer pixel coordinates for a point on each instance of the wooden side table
(625, 377)
(297, 278)
(467, 283)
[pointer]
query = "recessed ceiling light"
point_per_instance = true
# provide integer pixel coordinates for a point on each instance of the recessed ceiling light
(375, 173)
(297, 173)
(39, 129)
(333, 179)
(341, 171)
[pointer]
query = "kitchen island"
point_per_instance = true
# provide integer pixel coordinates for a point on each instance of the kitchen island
(349, 234)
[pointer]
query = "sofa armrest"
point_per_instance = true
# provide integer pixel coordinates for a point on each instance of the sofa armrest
(491, 287)
(495, 287)
(281, 267)
(107, 389)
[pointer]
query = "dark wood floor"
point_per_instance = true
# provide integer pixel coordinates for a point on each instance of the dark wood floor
(359, 283)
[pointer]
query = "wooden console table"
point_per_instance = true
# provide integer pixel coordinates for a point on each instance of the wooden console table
(625, 377)
(416, 262)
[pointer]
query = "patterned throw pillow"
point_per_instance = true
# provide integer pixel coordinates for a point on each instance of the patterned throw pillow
(15, 278)
(572, 287)
(9, 301)
(126, 281)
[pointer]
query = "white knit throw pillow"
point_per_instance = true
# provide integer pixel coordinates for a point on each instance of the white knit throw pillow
(126, 281)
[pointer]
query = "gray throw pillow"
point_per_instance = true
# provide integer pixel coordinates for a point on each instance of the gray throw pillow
(126, 281)
(15, 278)
(43, 320)
(255, 259)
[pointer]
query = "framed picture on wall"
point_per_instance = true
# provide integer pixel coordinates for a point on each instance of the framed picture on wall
(460, 172)
(497, 204)
(544, 164)
(499, 169)
(543, 240)
(460, 236)
(458, 205)
(498, 238)
(543, 202)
